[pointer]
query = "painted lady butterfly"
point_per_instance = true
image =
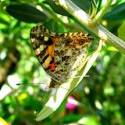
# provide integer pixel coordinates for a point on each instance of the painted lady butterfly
(59, 54)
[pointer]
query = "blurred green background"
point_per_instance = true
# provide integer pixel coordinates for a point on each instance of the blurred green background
(101, 95)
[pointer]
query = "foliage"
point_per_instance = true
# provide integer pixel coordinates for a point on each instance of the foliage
(100, 96)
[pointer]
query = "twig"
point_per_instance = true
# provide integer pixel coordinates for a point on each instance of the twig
(98, 30)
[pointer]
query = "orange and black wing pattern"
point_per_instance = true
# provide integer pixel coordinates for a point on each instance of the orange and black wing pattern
(59, 53)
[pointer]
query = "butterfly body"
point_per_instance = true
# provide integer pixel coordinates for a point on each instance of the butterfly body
(59, 54)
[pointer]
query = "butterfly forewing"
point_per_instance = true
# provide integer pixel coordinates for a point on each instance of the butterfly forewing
(59, 54)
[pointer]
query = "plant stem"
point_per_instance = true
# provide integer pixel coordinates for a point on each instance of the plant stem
(101, 13)
(82, 17)
(112, 39)
(77, 13)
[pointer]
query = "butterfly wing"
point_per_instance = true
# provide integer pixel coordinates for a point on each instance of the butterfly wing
(59, 54)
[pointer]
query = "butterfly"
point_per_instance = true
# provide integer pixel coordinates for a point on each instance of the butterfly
(60, 54)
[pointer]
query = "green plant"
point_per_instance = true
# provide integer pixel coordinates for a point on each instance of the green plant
(63, 16)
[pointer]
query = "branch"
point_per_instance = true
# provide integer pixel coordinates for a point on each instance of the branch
(98, 30)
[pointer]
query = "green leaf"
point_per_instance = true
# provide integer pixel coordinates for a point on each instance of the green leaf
(83, 4)
(26, 12)
(116, 13)
(56, 99)
(88, 120)
(57, 8)
(121, 31)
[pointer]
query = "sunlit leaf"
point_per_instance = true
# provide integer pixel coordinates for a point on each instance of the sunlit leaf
(61, 93)
(121, 31)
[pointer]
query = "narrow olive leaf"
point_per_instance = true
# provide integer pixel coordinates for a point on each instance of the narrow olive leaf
(83, 4)
(116, 13)
(57, 8)
(63, 91)
(57, 98)
(26, 12)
